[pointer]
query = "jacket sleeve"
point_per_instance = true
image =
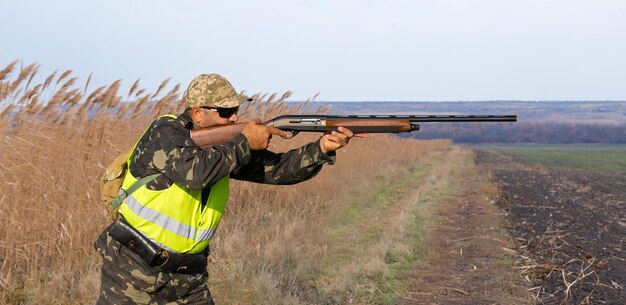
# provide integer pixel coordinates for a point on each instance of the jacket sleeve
(290, 167)
(167, 148)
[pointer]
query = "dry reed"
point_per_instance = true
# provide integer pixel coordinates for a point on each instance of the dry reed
(55, 149)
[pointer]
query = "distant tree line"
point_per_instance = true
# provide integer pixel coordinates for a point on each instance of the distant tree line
(526, 132)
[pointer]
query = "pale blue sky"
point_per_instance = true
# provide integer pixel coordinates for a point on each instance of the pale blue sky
(345, 50)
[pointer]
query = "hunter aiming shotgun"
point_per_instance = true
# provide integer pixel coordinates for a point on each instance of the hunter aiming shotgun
(207, 137)
(168, 196)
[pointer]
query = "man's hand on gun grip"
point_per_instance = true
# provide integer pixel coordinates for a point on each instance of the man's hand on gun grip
(259, 135)
(337, 139)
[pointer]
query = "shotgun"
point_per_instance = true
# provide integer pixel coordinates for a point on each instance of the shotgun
(210, 136)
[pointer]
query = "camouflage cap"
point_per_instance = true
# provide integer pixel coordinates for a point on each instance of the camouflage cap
(213, 90)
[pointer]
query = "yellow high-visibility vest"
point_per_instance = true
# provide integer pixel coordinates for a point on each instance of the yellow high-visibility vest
(175, 218)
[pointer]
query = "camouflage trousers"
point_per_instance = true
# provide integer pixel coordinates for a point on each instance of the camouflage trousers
(127, 279)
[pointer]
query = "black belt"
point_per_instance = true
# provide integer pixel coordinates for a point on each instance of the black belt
(155, 256)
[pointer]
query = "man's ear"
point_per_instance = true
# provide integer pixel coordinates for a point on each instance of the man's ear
(196, 114)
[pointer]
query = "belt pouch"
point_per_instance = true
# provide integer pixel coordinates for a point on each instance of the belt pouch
(135, 241)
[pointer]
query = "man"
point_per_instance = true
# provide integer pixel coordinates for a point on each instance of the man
(157, 252)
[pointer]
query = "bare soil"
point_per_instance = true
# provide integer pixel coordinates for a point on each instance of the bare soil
(570, 230)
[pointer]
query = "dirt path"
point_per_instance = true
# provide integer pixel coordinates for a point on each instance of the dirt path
(373, 241)
(470, 250)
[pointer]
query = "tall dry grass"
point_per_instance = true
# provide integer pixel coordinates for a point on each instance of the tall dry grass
(57, 137)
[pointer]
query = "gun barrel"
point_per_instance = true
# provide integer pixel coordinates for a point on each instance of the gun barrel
(464, 118)
(410, 118)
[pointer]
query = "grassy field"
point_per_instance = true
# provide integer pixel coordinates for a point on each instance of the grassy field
(610, 159)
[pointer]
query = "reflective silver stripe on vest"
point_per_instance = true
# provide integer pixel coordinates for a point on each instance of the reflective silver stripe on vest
(166, 222)
(206, 234)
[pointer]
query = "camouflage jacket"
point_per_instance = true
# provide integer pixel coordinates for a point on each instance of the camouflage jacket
(167, 148)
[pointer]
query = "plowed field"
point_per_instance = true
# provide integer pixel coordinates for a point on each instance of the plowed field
(570, 227)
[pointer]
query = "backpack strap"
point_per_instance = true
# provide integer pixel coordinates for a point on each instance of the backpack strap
(117, 201)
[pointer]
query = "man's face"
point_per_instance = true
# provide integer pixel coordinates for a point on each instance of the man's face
(210, 116)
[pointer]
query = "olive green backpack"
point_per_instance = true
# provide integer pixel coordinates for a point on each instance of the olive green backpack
(111, 192)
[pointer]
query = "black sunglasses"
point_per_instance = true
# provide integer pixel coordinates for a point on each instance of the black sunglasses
(224, 113)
